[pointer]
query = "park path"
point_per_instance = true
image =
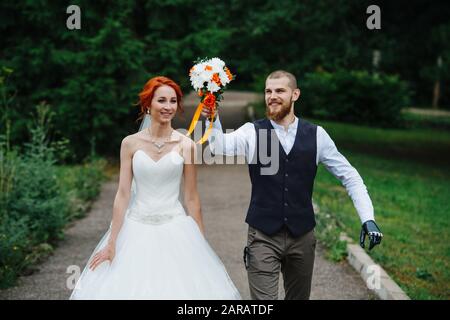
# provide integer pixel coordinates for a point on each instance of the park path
(429, 112)
(225, 193)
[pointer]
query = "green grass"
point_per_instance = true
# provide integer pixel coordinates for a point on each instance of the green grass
(427, 146)
(410, 196)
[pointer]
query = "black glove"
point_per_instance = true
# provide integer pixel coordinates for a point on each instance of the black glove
(371, 229)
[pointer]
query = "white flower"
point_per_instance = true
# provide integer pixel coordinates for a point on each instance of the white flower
(223, 77)
(207, 75)
(200, 67)
(197, 83)
(217, 62)
(213, 87)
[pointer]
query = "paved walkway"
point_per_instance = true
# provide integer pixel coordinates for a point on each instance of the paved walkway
(429, 112)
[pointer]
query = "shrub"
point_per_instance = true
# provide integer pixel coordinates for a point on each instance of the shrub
(354, 96)
(82, 184)
(36, 201)
(14, 246)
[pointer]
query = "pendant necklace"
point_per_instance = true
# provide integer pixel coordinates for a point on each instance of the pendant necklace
(159, 145)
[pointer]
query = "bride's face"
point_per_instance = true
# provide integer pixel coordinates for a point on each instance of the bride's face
(164, 104)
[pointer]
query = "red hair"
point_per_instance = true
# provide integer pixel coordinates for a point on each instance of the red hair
(147, 93)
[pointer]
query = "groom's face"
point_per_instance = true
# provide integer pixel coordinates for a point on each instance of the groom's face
(279, 98)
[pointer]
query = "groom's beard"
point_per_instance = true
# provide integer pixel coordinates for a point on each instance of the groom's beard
(280, 114)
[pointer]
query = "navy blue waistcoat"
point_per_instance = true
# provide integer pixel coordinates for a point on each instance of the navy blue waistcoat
(284, 198)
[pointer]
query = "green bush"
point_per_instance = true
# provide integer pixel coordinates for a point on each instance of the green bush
(82, 184)
(14, 240)
(88, 179)
(14, 246)
(37, 199)
(355, 97)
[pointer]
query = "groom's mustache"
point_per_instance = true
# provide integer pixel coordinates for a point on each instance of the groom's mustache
(275, 101)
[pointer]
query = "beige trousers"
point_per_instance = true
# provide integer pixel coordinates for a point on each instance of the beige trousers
(266, 256)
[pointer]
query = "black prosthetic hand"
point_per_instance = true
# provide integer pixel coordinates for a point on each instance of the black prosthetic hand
(371, 229)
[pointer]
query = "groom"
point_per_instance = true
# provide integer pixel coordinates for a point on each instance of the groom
(280, 216)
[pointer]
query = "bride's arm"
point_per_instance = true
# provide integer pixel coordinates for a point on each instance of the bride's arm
(120, 205)
(123, 192)
(191, 197)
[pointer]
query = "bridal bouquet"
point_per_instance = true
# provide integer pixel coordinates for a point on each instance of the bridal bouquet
(209, 78)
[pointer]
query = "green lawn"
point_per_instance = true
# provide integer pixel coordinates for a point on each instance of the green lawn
(408, 178)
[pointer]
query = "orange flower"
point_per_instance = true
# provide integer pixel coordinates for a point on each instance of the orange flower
(200, 93)
(216, 79)
(229, 75)
(210, 100)
(208, 68)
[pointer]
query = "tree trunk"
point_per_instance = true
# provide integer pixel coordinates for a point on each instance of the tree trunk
(437, 84)
(436, 94)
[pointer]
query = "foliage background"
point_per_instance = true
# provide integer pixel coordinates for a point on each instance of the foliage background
(91, 77)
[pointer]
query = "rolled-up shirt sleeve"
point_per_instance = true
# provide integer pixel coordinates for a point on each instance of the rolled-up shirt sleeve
(338, 165)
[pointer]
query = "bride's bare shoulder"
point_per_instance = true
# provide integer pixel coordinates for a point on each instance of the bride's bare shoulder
(188, 149)
(185, 141)
(131, 141)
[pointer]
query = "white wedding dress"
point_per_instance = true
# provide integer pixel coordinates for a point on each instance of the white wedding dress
(160, 251)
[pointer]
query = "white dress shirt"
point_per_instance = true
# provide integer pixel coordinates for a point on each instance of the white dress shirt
(243, 141)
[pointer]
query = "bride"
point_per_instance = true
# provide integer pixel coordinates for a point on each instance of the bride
(153, 249)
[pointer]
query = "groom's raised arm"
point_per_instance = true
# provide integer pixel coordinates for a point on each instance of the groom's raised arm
(338, 165)
(240, 142)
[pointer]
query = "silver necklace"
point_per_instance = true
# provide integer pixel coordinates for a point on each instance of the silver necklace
(159, 145)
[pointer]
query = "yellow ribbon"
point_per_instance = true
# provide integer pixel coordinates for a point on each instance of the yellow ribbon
(194, 121)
